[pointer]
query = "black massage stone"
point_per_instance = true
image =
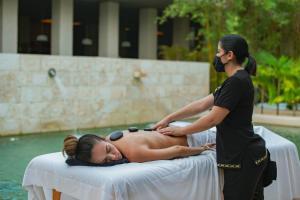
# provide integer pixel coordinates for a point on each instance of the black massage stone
(148, 129)
(133, 129)
(116, 135)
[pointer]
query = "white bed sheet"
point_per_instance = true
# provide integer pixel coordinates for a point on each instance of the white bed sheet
(191, 178)
(188, 178)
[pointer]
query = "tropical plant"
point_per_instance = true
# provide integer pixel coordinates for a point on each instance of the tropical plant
(263, 82)
(266, 24)
(291, 86)
(179, 53)
(279, 77)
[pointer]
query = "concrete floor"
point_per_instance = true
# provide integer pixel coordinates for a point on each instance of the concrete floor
(281, 120)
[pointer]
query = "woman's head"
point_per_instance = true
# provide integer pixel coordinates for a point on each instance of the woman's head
(235, 48)
(91, 148)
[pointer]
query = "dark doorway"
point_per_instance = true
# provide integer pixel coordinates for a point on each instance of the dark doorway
(164, 35)
(34, 27)
(86, 22)
(128, 32)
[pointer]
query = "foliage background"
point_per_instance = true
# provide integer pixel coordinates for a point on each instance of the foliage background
(271, 27)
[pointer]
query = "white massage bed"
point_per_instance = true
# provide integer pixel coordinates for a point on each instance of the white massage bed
(49, 177)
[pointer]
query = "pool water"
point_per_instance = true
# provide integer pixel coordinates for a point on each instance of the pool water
(17, 151)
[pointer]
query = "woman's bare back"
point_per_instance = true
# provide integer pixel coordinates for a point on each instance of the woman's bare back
(132, 141)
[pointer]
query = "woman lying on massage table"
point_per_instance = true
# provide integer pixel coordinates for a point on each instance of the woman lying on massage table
(140, 146)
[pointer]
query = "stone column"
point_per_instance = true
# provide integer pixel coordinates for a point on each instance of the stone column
(181, 29)
(148, 33)
(9, 26)
(109, 29)
(62, 27)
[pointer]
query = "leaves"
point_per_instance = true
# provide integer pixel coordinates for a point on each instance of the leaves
(260, 21)
(266, 25)
(178, 53)
(280, 77)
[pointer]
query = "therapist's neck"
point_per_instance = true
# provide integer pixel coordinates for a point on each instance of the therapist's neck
(231, 69)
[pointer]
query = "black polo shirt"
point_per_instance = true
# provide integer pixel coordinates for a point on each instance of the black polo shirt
(235, 135)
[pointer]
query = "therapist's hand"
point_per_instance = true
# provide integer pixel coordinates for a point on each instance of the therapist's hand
(161, 124)
(172, 131)
(209, 146)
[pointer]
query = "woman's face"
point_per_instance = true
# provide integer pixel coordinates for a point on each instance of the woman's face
(104, 152)
(223, 55)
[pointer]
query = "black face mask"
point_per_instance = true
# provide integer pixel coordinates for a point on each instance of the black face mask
(219, 66)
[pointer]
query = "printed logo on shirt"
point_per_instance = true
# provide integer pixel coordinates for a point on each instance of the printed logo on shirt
(217, 89)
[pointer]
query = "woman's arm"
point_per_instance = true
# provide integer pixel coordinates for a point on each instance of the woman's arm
(193, 108)
(187, 111)
(213, 118)
(144, 153)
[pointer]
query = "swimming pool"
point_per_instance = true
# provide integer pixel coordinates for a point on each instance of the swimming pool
(17, 151)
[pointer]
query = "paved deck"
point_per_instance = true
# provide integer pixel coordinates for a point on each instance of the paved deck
(280, 120)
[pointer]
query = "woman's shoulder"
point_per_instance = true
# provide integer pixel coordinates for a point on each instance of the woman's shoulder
(241, 75)
(129, 144)
(233, 81)
(239, 78)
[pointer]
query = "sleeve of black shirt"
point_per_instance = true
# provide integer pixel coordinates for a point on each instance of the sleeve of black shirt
(230, 94)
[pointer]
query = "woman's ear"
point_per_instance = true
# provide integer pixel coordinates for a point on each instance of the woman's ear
(230, 55)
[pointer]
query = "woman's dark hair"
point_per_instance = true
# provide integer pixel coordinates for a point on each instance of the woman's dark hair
(81, 148)
(238, 45)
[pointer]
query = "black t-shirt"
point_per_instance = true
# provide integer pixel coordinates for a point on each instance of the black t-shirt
(235, 135)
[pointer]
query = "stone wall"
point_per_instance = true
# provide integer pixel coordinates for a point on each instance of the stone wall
(98, 91)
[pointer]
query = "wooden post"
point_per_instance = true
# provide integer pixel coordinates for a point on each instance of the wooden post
(56, 195)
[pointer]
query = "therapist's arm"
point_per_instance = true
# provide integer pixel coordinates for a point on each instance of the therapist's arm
(187, 111)
(193, 108)
(213, 118)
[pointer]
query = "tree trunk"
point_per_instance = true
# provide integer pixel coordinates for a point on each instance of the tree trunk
(278, 93)
(262, 101)
(294, 109)
(210, 54)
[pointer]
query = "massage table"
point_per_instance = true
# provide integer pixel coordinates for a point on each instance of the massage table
(48, 177)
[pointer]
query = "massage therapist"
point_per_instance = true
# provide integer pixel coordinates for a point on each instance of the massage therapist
(240, 152)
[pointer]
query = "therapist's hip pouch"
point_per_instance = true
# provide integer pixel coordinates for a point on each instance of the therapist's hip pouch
(270, 172)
